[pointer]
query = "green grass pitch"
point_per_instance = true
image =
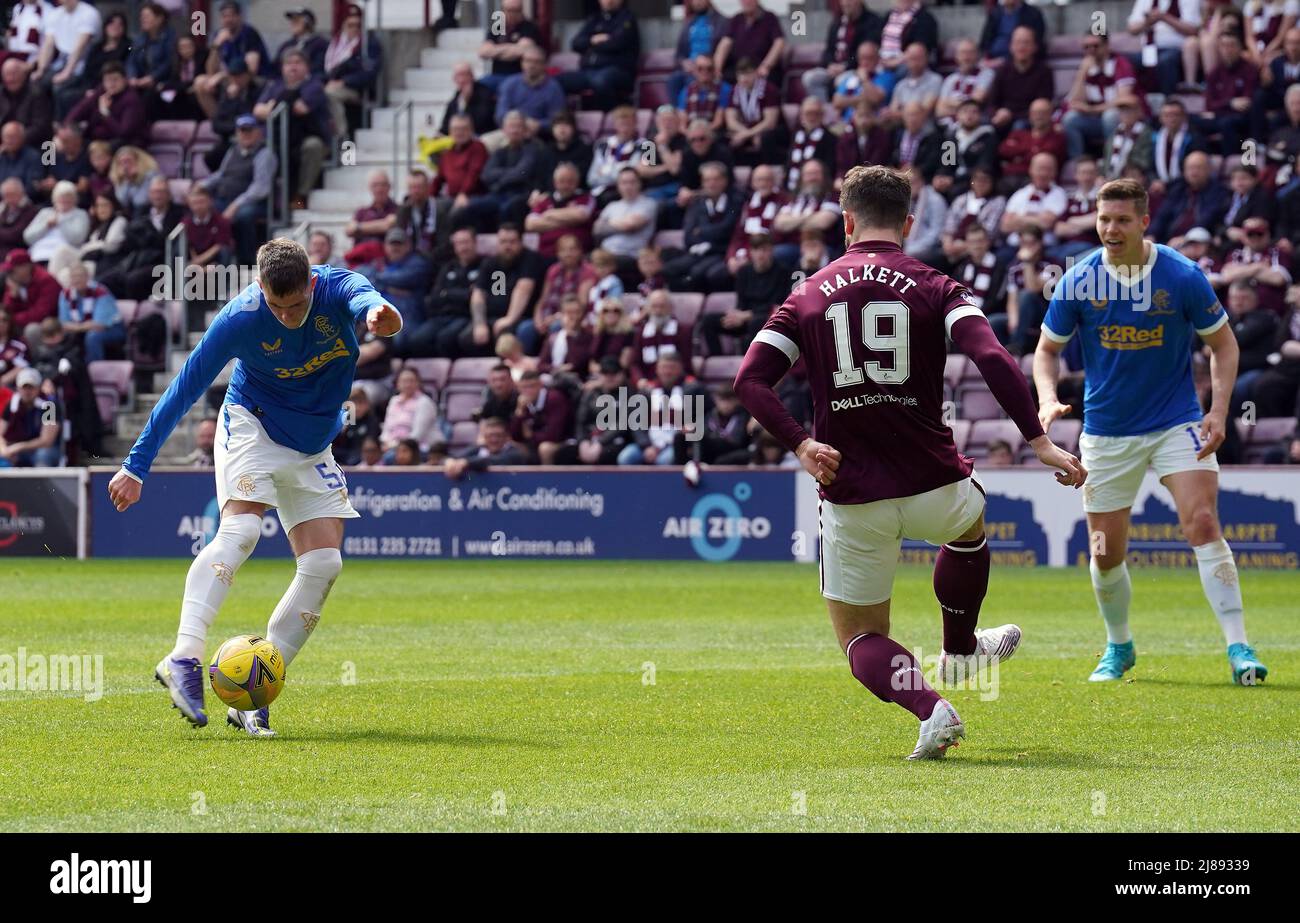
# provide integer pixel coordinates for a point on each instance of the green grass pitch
(517, 696)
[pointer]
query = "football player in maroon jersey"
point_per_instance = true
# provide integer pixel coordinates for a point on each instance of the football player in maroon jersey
(872, 328)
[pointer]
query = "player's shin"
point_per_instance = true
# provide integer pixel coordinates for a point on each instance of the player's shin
(961, 578)
(300, 608)
(1222, 588)
(1113, 590)
(891, 673)
(209, 580)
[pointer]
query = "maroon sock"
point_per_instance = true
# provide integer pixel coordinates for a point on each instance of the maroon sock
(961, 578)
(891, 673)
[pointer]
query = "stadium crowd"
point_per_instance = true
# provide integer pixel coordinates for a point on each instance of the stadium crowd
(608, 216)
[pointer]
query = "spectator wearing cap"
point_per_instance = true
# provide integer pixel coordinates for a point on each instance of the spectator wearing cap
(303, 37)
(700, 33)
(23, 102)
(564, 146)
(236, 40)
(16, 212)
(149, 63)
(543, 419)
(88, 311)
(505, 43)
(1261, 262)
(609, 44)
(17, 160)
(507, 180)
(1129, 142)
(567, 209)
(1023, 77)
(241, 184)
(1196, 246)
(29, 427)
(725, 440)
(1195, 199)
(58, 229)
(853, 25)
(401, 274)
(311, 132)
(1000, 24)
(1249, 200)
(31, 293)
(533, 93)
(70, 30)
(761, 285)
(207, 232)
(755, 127)
(492, 448)
(1022, 145)
(460, 168)
(115, 112)
(351, 70)
(1229, 91)
(504, 292)
(753, 33)
(237, 98)
(1093, 113)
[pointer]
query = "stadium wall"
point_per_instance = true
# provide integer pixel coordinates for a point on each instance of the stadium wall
(740, 514)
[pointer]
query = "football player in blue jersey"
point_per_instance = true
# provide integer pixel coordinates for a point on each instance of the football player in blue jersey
(1136, 306)
(292, 335)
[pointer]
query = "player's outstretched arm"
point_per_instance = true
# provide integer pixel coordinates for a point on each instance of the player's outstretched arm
(974, 337)
(763, 366)
(383, 320)
(1047, 366)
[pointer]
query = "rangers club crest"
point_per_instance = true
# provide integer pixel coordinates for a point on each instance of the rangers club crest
(325, 328)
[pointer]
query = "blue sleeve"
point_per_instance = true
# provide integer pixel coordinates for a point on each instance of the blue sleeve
(356, 292)
(1200, 304)
(1062, 316)
(203, 365)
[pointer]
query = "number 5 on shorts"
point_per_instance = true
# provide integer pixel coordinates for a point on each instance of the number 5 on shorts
(333, 479)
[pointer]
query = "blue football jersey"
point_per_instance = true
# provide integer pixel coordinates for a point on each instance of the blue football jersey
(1137, 339)
(294, 381)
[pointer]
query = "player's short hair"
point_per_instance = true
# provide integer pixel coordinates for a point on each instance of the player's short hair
(876, 197)
(283, 266)
(1125, 190)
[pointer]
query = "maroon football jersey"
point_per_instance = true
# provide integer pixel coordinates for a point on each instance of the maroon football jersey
(872, 328)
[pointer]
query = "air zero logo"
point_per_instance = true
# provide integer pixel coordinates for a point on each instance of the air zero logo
(717, 526)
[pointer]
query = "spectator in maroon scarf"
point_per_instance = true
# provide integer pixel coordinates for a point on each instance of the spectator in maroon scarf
(659, 332)
(1262, 263)
(757, 217)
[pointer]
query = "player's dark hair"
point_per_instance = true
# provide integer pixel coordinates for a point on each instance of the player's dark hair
(876, 197)
(1125, 190)
(283, 267)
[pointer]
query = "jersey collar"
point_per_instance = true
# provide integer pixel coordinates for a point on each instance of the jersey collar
(1142, 273)
(874, 245)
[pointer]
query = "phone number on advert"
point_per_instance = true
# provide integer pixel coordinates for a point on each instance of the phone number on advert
(393, 545)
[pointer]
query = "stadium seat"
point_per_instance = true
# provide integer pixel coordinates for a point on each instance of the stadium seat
(1195, 105)
(106, 401)
(670, 239)
(170, 157)
(982, 432)
(173, 131)
(431, 371)
(651, 92)
(632, 303)
(740, 177)
(960, 433)
(1122, 42)
(645, 120)
(198, 168)
(471, 370)
(590, 124)
(720, 303)
(1064, 432)
(1272, 430)
(659, 61)
(203, 134)
(180, 189)
(126, 310)
(486, 245)
(463, 435)
(687, 306)
(954, 369)
(1063, 79)
(721, 369)
(562, 61)
(461, 405)
(115, 375)
(971, 372)
(1065, 46)
(978, 403)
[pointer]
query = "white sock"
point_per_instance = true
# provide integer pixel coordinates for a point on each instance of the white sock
(210, 577)
(1222, 588)
(1113, 590)
(299, 609)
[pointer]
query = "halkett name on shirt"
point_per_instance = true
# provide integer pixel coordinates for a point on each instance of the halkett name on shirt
(870, 272)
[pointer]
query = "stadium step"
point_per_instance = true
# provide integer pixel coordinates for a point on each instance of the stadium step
(445, 58)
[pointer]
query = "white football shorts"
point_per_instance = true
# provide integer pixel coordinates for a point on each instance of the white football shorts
(251, 466)
(860, 542)
(1117, 464)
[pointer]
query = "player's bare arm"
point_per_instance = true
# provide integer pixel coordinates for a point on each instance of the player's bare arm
(1224, 355)
(1047, 366)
